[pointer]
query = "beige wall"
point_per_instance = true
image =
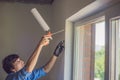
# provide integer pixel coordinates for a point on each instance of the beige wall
(62, 9)
(20, 32)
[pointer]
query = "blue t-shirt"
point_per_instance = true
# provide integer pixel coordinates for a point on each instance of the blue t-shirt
(24, 75)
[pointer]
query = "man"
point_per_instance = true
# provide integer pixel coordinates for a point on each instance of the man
(17, 70)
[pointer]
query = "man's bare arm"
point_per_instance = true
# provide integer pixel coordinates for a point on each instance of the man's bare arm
(50, 64)
(58, 50)
(34, 57)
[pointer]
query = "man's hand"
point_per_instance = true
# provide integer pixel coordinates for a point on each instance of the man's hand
(45, 39)
(59, 48)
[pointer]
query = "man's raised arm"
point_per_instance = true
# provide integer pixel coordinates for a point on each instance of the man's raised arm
(34, 57)
(58, 50)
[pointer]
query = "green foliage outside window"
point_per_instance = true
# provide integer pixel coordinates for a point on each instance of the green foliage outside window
(99, 64)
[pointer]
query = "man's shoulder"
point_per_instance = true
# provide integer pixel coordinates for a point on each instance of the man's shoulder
(13, 75)
(10, 76)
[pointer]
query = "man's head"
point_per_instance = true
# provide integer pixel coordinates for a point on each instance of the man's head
(12, 63)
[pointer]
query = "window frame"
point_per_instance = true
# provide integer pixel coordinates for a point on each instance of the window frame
(114, 30)
(69, 31)
(77, 36)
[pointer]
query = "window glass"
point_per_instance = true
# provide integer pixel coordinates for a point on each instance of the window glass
(99, 65)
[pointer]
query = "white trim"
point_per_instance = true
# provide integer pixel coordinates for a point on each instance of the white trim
(92, 21)
(117, 50)
(114, 18)
(111, 51)
(90, 9)
(114, 51)
(68, 51)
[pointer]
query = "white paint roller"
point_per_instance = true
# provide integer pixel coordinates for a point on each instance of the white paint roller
(40, 20)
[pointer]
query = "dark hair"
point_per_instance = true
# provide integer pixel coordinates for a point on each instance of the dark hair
(8, 61)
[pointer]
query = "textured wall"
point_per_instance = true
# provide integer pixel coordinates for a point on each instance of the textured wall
(20, 32)
(62, 9)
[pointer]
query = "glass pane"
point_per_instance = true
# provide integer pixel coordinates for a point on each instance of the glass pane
(82, 53)
(99, 66)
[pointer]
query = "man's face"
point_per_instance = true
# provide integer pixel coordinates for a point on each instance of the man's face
(18, 65)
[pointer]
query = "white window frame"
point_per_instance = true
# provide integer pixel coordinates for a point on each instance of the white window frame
(77, 58)
(114, 51)
(69, 31)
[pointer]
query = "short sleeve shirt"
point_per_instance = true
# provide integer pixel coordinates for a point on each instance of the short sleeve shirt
(24, 75)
